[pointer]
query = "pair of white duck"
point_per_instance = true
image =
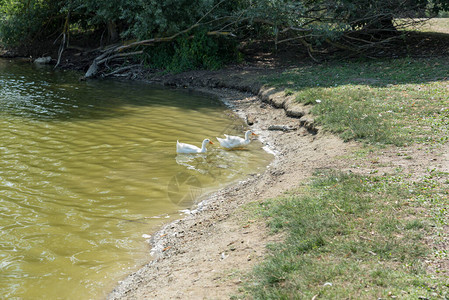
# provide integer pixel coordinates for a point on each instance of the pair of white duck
(230, 142)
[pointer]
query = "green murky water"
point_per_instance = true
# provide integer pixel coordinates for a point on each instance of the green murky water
(87, 168)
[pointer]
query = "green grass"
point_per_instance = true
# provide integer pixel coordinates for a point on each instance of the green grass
(352, 237)
(396, 101)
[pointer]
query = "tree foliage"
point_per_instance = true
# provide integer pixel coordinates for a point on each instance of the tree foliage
(21, 21)
(355, 25)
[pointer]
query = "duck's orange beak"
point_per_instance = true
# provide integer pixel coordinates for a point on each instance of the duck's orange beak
(253, 133)
(210, 142)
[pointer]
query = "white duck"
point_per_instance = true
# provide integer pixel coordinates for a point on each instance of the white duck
(235, 141)
(187, 148)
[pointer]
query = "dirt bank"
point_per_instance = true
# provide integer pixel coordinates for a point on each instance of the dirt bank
(204, 254)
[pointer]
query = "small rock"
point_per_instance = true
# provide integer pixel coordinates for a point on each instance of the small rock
(250, 120)
(281, 128)
(294, 109)
(277, 101)
(308, 123)
(43, 60)
(277, 173)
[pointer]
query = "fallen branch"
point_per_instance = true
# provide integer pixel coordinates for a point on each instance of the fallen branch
(221, 33)
(309, 49)
(120, 70)
(157, 40)
(281, 128)
(105, 57)
(65, 39)
(118, 55)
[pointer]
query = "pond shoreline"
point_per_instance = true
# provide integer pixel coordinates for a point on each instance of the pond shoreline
(205, 253)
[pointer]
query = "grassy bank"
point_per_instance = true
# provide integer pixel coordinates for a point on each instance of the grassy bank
(397, 101)
(364, 236)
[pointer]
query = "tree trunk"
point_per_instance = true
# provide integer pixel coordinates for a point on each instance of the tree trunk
(112, 32)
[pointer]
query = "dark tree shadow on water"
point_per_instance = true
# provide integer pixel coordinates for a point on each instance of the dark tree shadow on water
(39, 92)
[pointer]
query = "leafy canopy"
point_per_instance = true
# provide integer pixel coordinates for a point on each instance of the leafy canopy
(310, 22)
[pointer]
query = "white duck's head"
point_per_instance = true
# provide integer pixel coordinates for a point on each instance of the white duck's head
(248, 134)
(205, 142)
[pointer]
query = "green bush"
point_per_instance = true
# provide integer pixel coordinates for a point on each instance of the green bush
(22, 22)
(188, 53)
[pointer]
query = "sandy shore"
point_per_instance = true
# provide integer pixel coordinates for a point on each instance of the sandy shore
(205, 254)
